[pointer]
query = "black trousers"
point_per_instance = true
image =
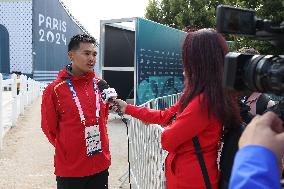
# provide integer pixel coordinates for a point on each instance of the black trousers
(96, 181)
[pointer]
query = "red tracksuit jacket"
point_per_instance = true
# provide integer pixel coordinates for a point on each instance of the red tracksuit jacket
(182, 167)
(62, 126)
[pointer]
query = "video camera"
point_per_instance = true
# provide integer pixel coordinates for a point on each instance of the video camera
(262, 73)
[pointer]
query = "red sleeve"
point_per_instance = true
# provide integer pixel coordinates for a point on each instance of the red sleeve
(188, 124)
(152, 116)
(49, 116)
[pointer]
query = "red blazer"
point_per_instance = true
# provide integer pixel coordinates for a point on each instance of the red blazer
(182, 167)
(62, 125)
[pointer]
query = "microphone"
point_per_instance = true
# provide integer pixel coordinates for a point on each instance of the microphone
(108, 94)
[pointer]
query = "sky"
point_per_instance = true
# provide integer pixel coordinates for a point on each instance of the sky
(90, 12)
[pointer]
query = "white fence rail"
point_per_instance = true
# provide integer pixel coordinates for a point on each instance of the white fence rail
(15, 95)
(146, 156)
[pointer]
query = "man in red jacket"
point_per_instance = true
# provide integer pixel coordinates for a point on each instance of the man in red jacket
(74, 120)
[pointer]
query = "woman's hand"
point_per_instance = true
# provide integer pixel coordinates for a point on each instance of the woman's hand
(119, 104)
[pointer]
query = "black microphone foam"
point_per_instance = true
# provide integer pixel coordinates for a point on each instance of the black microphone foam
(102, 85)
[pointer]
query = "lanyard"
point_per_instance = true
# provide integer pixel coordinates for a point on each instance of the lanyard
(78, 104)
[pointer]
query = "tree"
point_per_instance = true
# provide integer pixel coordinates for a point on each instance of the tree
(202, 14)
(153, 11)
(181, 13)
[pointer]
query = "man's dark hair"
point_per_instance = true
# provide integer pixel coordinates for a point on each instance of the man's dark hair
(75, 41)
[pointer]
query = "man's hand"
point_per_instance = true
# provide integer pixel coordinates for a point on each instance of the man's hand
(266, 131)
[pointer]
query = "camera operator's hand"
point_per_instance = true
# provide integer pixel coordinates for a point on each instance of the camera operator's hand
(118, 103)
(266, 131)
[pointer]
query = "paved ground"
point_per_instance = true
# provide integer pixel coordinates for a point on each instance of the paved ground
(26, 161)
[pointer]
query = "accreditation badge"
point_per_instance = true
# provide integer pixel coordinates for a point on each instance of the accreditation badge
(93, 140)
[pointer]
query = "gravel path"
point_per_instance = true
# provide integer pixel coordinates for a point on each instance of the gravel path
(26, 160)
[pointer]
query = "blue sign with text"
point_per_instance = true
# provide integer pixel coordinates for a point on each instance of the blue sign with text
(158, 60)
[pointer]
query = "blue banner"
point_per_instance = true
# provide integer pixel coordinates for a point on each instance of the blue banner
(52, 30)
(158, 60)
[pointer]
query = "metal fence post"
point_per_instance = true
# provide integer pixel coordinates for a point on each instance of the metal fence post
(21, 94)
(33, 89)
(29, 91)
(14, 100)
(25, 91)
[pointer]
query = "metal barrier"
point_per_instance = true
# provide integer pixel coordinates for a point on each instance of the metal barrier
(146, 156)
(19, 93)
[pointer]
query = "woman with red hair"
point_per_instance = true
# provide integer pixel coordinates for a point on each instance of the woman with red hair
(199, 115)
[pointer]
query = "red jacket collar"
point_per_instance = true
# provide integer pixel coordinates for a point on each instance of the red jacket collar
(63, 74)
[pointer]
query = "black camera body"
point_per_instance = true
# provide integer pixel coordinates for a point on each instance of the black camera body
(243, 72)
(232, 20)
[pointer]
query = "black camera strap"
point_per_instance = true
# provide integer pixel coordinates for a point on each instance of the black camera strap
(201, 162)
